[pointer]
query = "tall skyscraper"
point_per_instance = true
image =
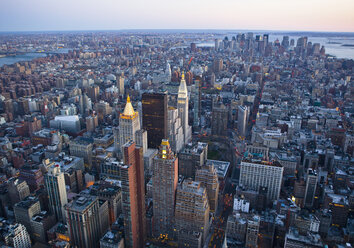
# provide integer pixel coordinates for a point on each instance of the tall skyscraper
(87, 220)
(255, 174)
(155, 117)
(120, 84)
(182, 106)
(133, 195)
(129, 127)
(242, 119)
(311, 185)
(192, 212)
(55, 185)
(175, 130)
(168, 72)
(196, 102)
(219, 118)
(164, 185)
(208, 176)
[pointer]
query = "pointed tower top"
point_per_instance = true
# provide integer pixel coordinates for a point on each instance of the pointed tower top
(182, 89)
(128, 110)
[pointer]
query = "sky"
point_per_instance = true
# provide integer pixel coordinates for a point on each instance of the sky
(286, 15)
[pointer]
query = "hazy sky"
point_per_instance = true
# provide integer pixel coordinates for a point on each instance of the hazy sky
(302, 15)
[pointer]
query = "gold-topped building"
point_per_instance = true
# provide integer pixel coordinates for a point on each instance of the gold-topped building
(129, 129)
(164, 186)
(182, 106)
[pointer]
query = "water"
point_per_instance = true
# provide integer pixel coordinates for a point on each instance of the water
(23, 57)
(337, 49)
(27, 57)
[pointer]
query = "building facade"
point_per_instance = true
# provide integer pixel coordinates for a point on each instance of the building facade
(164, 184)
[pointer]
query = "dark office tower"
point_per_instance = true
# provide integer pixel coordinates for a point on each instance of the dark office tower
(133, 195)
(311, 184)
(193, 47)
(155, 117)
(285, 42)
(87, 219)
(164, 186)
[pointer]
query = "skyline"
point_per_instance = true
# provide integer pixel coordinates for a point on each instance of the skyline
(275, 15)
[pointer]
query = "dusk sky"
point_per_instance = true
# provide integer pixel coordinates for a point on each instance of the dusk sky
(300, 15)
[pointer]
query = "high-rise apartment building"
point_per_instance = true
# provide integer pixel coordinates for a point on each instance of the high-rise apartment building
(208, 176)
(55, 185)
(164, 185)
(133, 195)
(87, 219)
(155, 115)
(192, 211)
(16, 236)
(255, 174)
(182, 106)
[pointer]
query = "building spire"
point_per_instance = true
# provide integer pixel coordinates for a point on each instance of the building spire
(182, 89)
(128, 110)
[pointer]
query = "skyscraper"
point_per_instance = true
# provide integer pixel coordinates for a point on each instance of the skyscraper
(192, 158)
(208, 176)
(219, 118)
(311, 184)
(155, 117)
(133, 195)
(255, 174)
(242, 118)
(129, 127)
(120, 84)
(182, 106)
(168, 73)
(55, 185)
(87, 220)
(192, 211)
(164, 185)
(175, 130)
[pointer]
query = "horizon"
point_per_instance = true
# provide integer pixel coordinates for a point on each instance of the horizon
(300, 15)
(179, 30)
